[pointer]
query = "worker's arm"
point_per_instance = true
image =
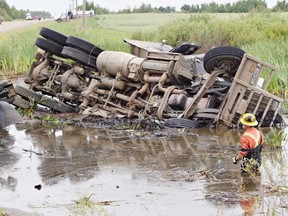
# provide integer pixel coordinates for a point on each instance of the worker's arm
(237, 158)
(244, 145)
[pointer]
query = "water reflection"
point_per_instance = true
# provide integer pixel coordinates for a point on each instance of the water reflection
(65, 153)
(166, 164)
(7, 159)
(248, 205)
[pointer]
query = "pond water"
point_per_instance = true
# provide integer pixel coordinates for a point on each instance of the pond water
(71, 170)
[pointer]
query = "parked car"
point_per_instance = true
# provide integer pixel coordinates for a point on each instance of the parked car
(62, 17)
(175, 85)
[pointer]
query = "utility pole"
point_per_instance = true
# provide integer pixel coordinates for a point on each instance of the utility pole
(84, 10)
(76, 9)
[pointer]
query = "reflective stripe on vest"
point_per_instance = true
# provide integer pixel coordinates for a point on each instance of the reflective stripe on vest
(256, 139)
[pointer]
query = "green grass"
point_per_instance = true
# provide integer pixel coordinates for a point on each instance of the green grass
(263, 35)
(149, 22)
(275, 139)
(274, 53)
(17, 48)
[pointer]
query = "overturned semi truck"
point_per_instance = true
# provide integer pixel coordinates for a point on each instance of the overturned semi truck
(174, 85)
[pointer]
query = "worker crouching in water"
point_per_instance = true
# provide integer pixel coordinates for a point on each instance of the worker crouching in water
(252, 142)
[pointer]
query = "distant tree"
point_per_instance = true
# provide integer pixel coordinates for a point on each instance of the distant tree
(96, 8)
(162, 9)
(40, 14)
(195, 8)
(127, 10)
(280, 6)
(10, 13)
(18, 14)
(90, 6)
(185, 8)
(167, 9)
(144, 8)
(5, 10)
(244, 6)
(100, 10)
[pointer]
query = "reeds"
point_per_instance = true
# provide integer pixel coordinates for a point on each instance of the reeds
(275, 139)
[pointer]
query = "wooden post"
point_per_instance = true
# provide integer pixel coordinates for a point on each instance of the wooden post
(83, 18)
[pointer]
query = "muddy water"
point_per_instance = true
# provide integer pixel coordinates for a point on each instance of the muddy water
(50, 170)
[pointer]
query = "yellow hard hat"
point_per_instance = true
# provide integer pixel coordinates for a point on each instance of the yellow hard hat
(249, 119)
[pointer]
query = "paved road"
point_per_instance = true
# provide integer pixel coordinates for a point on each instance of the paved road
(9, 26)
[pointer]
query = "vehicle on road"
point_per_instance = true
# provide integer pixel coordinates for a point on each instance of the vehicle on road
(61, 18)
(28, 16)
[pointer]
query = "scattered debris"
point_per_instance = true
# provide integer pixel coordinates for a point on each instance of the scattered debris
(38, 187)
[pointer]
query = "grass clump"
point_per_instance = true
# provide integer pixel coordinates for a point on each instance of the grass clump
(3, 213)
(86, 206)
(275, 139)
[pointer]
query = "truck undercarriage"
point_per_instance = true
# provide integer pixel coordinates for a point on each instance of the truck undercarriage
(173, 85)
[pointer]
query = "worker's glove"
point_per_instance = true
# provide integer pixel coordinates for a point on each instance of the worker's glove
(234, 160)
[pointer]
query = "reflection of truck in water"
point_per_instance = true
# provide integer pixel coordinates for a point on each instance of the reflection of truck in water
(173, 85)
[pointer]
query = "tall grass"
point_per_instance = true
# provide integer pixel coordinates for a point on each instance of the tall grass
(144, 22)
(274, 53)
(275, 139)
(263, 35)
(17, 51)
(17, 48)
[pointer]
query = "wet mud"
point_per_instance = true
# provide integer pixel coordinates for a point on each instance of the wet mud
(48, 169)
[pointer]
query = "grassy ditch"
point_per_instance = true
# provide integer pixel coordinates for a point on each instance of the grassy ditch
(263, 35)
(17, 48)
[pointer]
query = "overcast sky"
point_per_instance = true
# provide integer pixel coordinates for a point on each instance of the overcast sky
(58, 6)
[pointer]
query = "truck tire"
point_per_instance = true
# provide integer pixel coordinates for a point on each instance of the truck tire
(230, 56)
(49, 46)
(83, 45)
(7, 91)
(79, 56)
(56, 105)
(54, 36)
(181, 123)
(21, 103)
(28, 93)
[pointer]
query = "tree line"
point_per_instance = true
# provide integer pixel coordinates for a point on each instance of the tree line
(241, 6)
(11, 13)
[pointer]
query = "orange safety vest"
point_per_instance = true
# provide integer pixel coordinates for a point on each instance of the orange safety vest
(251, 140)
